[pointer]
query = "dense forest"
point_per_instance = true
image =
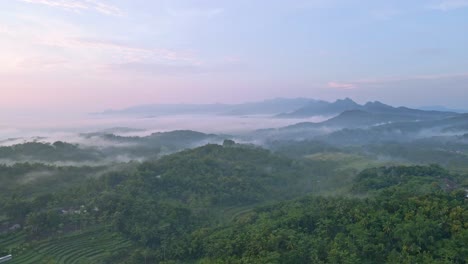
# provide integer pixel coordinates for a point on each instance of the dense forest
(233, 131)
(376, 184)
(235, 203)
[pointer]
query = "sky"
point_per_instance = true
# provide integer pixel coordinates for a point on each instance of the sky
(68, 56)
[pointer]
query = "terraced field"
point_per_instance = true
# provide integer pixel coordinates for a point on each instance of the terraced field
(87, 247)
(12, 242)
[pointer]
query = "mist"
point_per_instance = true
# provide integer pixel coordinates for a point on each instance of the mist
(50, 129)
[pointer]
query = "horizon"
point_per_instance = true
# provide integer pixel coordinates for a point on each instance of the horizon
(24, 111)
(51, 113)
(55, 126)
(233, 131)
(91, 55)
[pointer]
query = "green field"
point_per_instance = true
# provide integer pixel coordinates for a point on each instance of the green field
(90, 246)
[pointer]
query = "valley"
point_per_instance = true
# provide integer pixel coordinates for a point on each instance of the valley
(190, 197)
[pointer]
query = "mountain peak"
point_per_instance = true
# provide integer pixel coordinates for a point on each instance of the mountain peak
(346, 101)
(376, 105)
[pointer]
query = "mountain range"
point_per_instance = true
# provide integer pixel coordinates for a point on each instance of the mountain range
(287, 108)
(373, 120)
(267, 107)
(339, 106)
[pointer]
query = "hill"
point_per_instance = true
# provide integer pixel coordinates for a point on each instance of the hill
(321, 108)
(101, 148)
(232, 203)
(400, 131)
(380, 124)
(156, 202)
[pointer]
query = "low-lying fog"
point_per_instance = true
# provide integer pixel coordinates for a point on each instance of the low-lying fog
(66, 128)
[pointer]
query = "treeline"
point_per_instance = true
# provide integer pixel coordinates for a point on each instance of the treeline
(243, 204)
(403, 222)
(154, 200)
(100, 148)
(390, 228)
(58, 151)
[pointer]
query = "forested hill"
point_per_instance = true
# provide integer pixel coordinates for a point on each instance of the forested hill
(160, 202)
(418, 216)
(104, 148)
(236, 203)
(390, 228)
(221, 175)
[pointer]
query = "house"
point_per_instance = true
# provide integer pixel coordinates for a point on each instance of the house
(15, 227)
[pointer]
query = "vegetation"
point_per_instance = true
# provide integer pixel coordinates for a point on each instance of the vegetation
(94, 245)
(391, 228)
(235, 203)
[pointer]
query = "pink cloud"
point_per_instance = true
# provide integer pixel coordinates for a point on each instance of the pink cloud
(127, 52)
(79, 5)
(338, 85)
(5, 30)
(43, 63)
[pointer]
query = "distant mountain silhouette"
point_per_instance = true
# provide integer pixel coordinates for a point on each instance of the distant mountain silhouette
(266, 107)
(400, 131)
(376, 118)
(359, 118)
(360, 127)
(324, 108)
(442, 109)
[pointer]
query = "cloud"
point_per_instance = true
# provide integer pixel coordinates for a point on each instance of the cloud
(385, 13)
(5, 30)
(195, 12)
(413, 78)
(447, 5)
(339, 85)
(43, 63)
(154, 68)
(381, 81)
(223, 65)
(307, 4)
(176, 69)
(80, 5)
(124, 53)
(49, 45)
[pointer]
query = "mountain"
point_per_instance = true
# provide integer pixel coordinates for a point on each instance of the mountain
(442, 108)
(340, 106)
(359, 118)
(399, 131)
(267, 107)
(373, 121)
(323, 108)
(167, 109)
(375, 113)
(279, 107)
